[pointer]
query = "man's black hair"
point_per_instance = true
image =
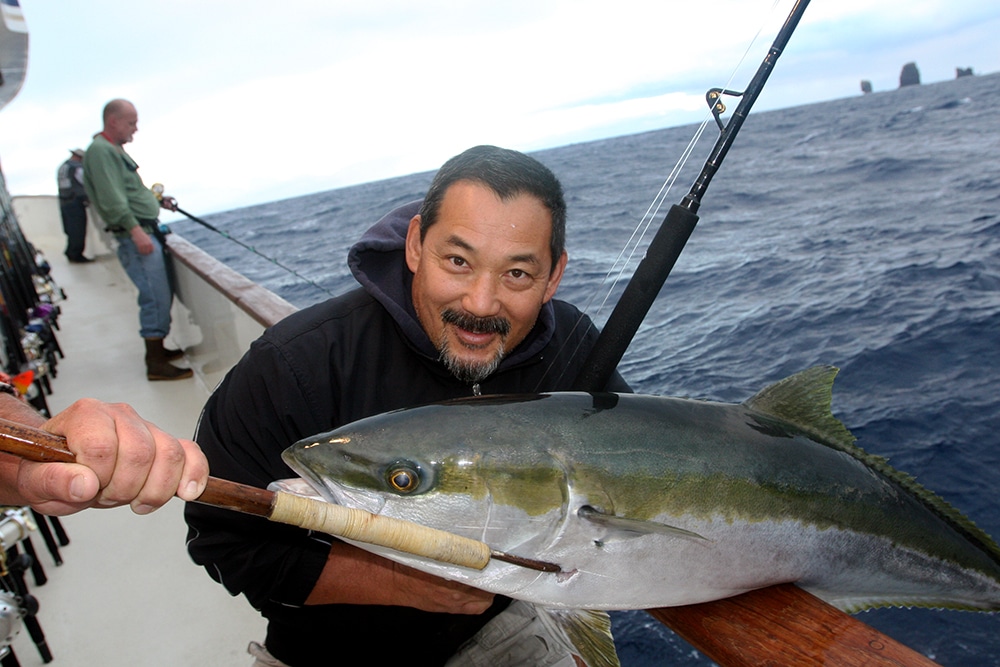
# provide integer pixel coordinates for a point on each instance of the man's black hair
(507, 173)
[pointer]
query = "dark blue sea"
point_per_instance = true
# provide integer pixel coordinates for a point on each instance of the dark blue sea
(862, 232)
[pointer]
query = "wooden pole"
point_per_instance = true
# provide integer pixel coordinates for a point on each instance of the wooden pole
(38, 445)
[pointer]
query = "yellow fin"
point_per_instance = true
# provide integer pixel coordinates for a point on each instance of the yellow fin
(585, 632)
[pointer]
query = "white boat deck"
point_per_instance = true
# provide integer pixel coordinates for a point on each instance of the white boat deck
(126, 594)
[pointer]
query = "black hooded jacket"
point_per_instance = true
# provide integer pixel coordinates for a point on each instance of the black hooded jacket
(350, 357)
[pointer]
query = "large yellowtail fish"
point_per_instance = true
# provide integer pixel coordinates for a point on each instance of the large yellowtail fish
(648, 501)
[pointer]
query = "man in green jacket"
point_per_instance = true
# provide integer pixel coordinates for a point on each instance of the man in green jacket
(130, 211)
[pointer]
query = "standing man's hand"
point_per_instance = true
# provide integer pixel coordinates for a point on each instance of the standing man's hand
(142, 241)
(168, 203)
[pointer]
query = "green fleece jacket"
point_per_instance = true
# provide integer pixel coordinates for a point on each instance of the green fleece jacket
(112, 181)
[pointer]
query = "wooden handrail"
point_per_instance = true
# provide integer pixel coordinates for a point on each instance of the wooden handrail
(784, 625)
(258, 302)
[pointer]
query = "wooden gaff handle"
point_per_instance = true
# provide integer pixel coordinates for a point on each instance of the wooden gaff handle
(350, 523)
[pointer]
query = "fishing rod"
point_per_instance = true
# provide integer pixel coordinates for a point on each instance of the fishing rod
(158, 190)
(676, 227)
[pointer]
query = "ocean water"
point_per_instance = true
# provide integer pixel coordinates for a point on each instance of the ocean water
(862, 232)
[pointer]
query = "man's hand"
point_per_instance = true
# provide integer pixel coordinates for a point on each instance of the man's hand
(168, 203)
(142, 241)
(121, 460)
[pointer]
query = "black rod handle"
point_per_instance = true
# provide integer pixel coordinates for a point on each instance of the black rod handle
(636, 300)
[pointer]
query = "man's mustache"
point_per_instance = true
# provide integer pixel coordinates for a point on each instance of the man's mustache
(483, 325)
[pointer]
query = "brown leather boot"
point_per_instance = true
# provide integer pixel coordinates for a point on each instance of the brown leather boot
(172, 355)
(158, 367)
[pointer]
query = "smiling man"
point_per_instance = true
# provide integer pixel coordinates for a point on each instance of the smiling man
(456, 299)
(483, 268)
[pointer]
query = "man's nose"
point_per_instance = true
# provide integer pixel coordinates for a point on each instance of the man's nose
(481, 297)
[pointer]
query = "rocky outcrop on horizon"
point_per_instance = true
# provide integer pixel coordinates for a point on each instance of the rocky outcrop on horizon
(910, 76)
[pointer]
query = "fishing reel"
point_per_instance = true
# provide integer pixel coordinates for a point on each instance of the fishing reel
(11, 619)
(168, 203)
(15, 604)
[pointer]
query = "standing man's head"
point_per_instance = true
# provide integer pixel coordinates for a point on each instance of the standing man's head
(121, 121)
(486, 252)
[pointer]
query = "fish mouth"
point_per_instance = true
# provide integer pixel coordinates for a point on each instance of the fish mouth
(315, 485)
(361, 500)
(336, 493)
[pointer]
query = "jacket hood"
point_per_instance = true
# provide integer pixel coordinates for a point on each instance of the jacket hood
(378, 262)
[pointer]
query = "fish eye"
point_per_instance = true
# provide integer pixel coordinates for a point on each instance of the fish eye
(403, 478)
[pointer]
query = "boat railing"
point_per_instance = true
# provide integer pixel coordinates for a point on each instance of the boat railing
(218, 312)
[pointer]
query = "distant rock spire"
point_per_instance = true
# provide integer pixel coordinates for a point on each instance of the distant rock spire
(910, 76)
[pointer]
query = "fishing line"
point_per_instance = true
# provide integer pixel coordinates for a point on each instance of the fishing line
(618, 268)
(158, 190)
(678, 225)
(636, 240)
(654, 208)
(635, 243)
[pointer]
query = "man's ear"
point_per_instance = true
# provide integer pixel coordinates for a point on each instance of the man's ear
(413, 244)
(555, 277)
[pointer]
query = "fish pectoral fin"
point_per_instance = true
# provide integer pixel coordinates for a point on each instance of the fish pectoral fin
(625, 527)
(584, 632)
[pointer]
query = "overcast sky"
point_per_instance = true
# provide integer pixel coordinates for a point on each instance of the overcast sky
(252, 101)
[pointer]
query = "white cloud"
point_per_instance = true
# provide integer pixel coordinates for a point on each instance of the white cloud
(252, 101)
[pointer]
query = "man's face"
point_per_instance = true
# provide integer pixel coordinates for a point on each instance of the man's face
(481, 275)
(123, 125)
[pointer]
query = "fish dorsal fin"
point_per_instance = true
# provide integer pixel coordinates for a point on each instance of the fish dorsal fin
(804, 400)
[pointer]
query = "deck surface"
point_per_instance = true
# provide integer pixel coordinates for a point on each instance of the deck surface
(127, 593)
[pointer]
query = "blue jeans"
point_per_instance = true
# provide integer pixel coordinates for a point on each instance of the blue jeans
(149, 273)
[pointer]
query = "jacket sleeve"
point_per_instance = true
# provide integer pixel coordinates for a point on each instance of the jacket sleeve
(261, 408)
(105, 186)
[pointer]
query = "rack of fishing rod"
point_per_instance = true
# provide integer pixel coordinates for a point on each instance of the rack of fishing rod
(29, 311)
(29, 354)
